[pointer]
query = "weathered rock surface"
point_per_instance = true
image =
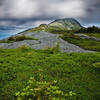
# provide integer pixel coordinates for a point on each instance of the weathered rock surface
(88, 37)
(45, 39)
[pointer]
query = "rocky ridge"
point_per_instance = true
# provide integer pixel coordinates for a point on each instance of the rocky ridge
(45, 39)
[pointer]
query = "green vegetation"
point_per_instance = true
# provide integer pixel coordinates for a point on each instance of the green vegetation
(51, 29)
(69, 36)
(90, 30)
(17, 38)
(42, 90)
(93, 34)
(87, 44)
(97, 65)
(55, 49)
(40, 28)
(73, 72)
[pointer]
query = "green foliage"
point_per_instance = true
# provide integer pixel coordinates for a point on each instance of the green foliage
(93, 34)
(54, 30)
(92, 29)
(73, 72)
(55, 49)
(60, 30)
(17, 38)
(97, 65)
(35, 29)
(24, 48)
(87, 44)
(42, 90)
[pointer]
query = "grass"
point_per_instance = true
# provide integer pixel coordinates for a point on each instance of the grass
(17, 38)
(93, 34)
(73, 71)
(51, 29)
(87, 44)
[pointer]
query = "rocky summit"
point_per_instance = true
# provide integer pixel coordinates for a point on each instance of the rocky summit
(66, 23)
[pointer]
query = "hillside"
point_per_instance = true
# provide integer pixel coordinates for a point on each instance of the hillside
(66, 24)
(73, 71)
(41, 40)
(60, 31)
(61, 52)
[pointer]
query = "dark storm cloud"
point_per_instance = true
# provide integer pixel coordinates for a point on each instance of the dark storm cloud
(92, 9)
(22, 11)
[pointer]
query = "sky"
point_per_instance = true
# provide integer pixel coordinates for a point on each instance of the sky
(35, 12)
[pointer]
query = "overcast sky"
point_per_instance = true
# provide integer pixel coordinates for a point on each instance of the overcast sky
(29, 12)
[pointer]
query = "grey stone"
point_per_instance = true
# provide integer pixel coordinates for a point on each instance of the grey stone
(45, 39)
(88, 37)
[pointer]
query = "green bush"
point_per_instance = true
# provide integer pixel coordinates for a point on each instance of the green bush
(24, 48)
(55, 49)
(17, 38)
(42, 90)
(97, 65)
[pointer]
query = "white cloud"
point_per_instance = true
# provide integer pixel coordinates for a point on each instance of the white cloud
(20, 8)
(67, 9)
(84, 10)
(38, 8)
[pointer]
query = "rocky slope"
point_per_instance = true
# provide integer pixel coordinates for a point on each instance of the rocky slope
(66, 23)
(45, 40)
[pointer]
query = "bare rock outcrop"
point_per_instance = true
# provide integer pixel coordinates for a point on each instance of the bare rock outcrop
(45, 39)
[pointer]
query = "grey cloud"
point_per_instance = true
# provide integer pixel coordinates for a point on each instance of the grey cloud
(87, 11)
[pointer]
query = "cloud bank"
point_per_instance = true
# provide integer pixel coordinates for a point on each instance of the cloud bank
(22, 11)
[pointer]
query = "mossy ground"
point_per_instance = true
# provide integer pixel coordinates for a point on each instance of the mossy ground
(73, 71)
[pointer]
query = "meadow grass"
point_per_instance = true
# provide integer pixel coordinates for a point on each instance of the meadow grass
(73, 71)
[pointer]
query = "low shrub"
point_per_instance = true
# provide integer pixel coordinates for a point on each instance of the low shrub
(42, 90)
(55, 49)
(17, 38)
(24, 48)
(97, 65)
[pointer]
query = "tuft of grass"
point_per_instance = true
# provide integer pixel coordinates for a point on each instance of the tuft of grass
(17, 38)
(51, 50)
